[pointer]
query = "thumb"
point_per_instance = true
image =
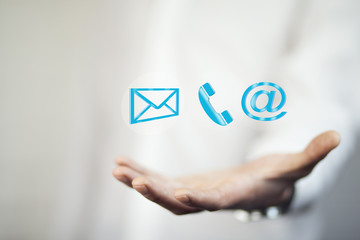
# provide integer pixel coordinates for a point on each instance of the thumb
(302, 163)
(319, 147)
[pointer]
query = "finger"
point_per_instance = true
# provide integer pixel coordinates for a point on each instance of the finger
(301, 164)
(316, 150)
(124, 161)
(211, 200)
(161, 194)
(125, 175)
(320, 146)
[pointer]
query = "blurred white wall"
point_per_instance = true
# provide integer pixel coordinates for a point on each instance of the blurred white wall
(59, 62)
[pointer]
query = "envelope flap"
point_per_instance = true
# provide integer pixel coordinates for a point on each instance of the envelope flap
(156, 97)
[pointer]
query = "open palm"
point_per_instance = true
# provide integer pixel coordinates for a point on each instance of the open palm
(267, 181)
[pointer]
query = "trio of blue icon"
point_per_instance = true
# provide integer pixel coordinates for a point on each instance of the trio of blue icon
(205, 92)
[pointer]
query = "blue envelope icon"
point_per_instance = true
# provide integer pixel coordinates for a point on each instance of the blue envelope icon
(147, 104)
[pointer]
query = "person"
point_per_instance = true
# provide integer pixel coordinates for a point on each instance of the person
(66, 70)
(194, 165)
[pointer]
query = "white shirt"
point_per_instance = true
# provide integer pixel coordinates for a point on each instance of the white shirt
(233, 45)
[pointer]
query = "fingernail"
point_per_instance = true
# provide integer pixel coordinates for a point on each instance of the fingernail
(142, 189)
(123, 179)
(184, 198)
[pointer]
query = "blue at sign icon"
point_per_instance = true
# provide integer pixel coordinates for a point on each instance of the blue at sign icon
(269, 106)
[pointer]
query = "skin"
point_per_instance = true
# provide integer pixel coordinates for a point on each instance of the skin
(266, 181)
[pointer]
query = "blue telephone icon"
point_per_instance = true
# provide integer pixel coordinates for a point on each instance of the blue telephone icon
(205, 92)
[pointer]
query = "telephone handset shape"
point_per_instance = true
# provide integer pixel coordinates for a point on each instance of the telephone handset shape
(205, 92)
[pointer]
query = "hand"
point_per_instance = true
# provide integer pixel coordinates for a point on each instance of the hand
(267, 181)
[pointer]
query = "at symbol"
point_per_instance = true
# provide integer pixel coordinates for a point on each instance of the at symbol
(269, 105)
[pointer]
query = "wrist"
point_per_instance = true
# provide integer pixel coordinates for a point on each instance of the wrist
(271, 212)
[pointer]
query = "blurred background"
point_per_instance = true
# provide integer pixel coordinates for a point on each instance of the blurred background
(64, 68)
